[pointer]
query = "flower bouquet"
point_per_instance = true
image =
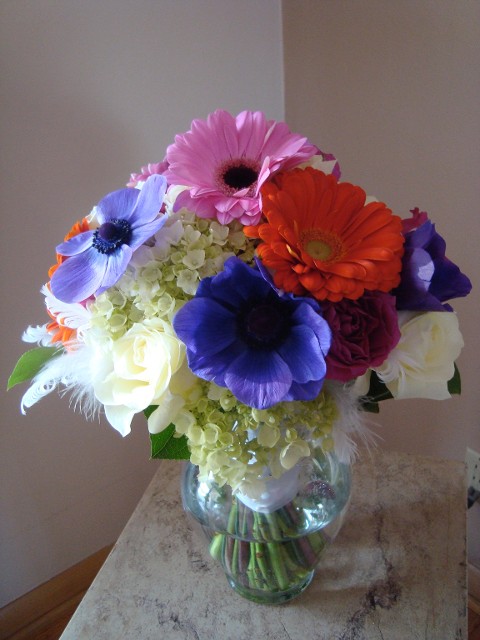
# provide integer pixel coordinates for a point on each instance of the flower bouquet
(253, 306)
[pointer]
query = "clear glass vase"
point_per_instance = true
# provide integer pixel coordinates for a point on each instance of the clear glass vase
(269, 556)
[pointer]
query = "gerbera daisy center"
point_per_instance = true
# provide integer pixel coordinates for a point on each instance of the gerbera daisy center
(320, 245)
(235, 175)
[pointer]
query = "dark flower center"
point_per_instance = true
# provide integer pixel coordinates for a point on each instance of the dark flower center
(234, 175)
(239, 177)
(111, 235)
(265, 324)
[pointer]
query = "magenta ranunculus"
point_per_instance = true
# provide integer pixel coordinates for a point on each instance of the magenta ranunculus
(364, 331)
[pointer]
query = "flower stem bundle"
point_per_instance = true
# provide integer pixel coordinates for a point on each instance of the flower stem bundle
(266, 553)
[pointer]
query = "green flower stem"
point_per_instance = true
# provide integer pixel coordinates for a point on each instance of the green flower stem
(273, 523)
(317, 541)
(253, 582)
(263, 527)
(309, 548)
(244, 552)
(235, 566)
(291, 562)
(274, 551)
(258, 551)
(232, 518)
(227, 552)
(216, 544)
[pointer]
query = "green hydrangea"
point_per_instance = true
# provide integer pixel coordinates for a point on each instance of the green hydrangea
(235, 443)
(161, 277)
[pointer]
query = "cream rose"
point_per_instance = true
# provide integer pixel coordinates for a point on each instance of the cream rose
(171, 403)
(137, 371)
(422, 363)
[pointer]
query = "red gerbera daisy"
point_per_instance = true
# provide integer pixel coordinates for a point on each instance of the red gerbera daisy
(322, 239)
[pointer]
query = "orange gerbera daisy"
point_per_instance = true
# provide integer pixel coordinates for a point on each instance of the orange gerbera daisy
(61, 333)
(321, 238)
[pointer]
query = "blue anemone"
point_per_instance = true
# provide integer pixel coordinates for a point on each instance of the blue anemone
(97, 259)
(242, 335)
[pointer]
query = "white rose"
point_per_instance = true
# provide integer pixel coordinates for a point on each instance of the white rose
(422, 363)
(172, 401)
(137, 371)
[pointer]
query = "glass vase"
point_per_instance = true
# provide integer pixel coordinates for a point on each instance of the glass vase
(269, 548)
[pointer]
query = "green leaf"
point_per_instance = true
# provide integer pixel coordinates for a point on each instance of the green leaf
(149, 410)
(165, 446)
(378, 390)
(455, 383)
(30, 363)
(371, 407)
(376, 393)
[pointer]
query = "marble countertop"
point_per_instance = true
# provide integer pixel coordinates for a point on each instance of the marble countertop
(395, 572)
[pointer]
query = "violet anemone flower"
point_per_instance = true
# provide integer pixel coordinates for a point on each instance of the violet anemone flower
(428, 277)
(242, 335)
(97, 259)
(224, 160)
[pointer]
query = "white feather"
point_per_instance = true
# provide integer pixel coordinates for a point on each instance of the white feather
(38, 334)
(70, 370)
(72, 315)
(351, 425)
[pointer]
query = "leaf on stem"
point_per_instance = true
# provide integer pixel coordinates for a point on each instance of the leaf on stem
(30, 363)
(165, 445)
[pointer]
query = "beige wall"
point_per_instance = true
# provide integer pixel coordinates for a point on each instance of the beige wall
(92, 89)
(393, 89)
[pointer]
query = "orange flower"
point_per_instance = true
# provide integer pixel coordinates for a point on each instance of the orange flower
(78, 227)
(321, 239)
(61, 333)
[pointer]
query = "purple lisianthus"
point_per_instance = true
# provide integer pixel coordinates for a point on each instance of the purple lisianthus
(242, 335)
(428, 277)
(364, 331)
(97, 259)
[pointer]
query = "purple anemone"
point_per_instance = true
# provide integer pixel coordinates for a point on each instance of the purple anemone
(242, 335)
(97, 259)
(428, 277)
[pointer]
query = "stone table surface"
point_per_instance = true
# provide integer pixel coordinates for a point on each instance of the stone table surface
(396, 571)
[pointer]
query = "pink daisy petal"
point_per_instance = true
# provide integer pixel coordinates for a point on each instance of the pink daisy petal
(225, 159)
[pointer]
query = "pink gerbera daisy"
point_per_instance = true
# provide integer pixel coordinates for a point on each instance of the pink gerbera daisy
(224, 160)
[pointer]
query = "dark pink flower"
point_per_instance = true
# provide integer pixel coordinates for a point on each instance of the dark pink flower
(417, 219)
(150, 169)
(364, 331)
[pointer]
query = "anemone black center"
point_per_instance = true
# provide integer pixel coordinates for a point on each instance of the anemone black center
(111, 235)
(265, 324)
(239, 177)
